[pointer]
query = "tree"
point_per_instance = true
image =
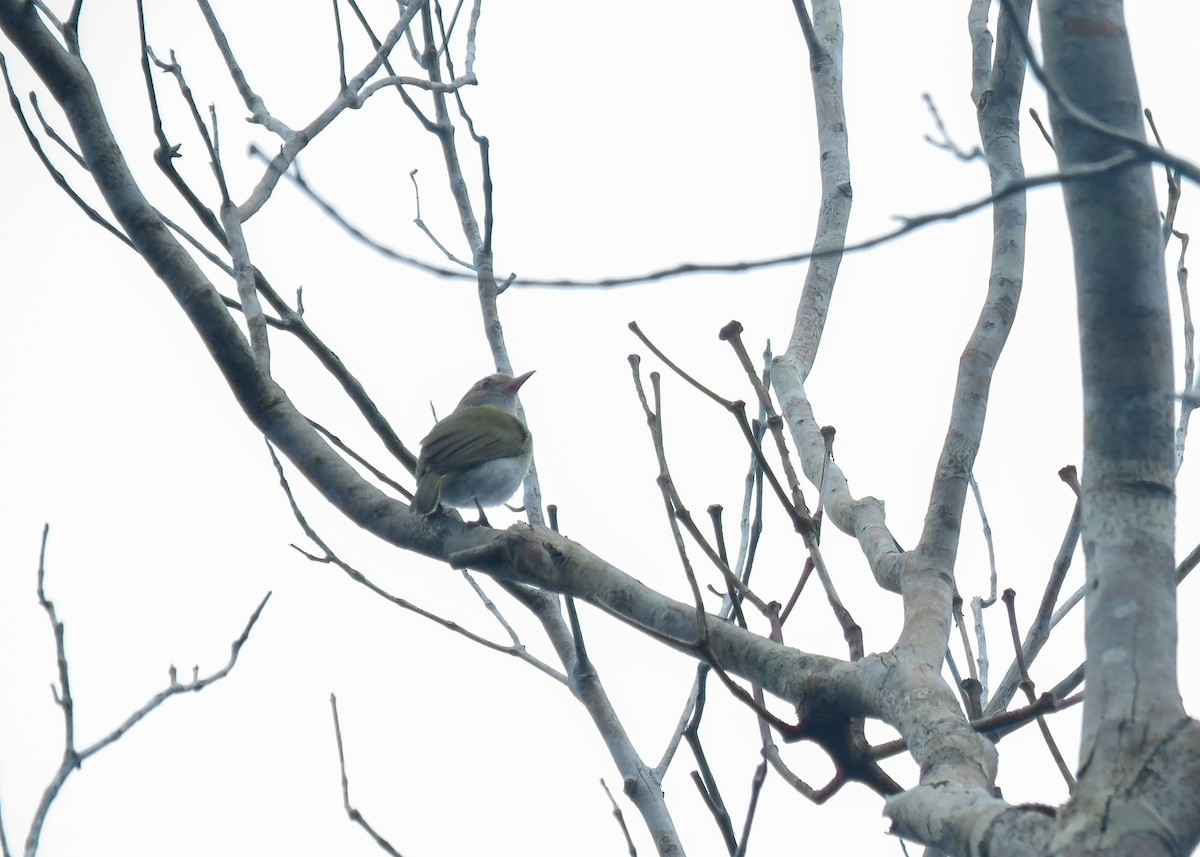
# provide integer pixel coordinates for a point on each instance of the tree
(1136, 741)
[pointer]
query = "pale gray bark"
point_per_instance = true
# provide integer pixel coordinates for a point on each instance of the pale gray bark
(1140, 768)
(1132, 711)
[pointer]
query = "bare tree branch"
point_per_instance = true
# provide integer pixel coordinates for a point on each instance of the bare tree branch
(352, 812)
(73, 757)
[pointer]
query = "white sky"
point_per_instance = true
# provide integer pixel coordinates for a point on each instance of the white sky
(619, 144)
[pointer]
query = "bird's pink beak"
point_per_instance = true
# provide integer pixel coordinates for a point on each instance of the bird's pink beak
(515, 384)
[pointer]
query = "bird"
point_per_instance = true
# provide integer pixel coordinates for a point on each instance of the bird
(479, 454)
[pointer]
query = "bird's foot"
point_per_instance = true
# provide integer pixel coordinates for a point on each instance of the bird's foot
(483, 521)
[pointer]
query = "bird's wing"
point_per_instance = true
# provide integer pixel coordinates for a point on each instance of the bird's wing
(473, 435)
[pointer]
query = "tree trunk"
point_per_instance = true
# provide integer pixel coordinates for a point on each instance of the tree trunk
(1133, 708)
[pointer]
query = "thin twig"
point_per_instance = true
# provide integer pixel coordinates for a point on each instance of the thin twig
(372, 469)
(907, 225)
(53, 134)
(1047, 616)
(705, 782)
(1037, 120)
(166, 153)
(341, 44)
(677, 512)
(516, 649)
(354, 814)
(998, 725)
(738, 410)
(620, 817)
(660, 770)
(732, 333)
(756, 785)
(1027, 686)
(73, 758)
(420, 223)
(59, 178)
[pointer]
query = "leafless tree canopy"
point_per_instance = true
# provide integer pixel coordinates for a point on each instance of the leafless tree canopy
(1132, 790)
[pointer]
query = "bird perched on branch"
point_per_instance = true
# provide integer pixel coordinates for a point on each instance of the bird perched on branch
(479, 454)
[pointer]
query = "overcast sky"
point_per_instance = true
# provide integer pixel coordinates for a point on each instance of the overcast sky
(620, 144)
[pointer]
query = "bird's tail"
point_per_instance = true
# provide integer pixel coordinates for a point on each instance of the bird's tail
(429, 493)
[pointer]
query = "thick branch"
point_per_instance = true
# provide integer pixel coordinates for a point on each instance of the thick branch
(1128, 501)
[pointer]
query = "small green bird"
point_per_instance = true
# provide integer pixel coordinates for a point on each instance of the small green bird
(479, 454)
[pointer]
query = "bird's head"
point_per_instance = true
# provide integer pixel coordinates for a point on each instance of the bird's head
(496, 391)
